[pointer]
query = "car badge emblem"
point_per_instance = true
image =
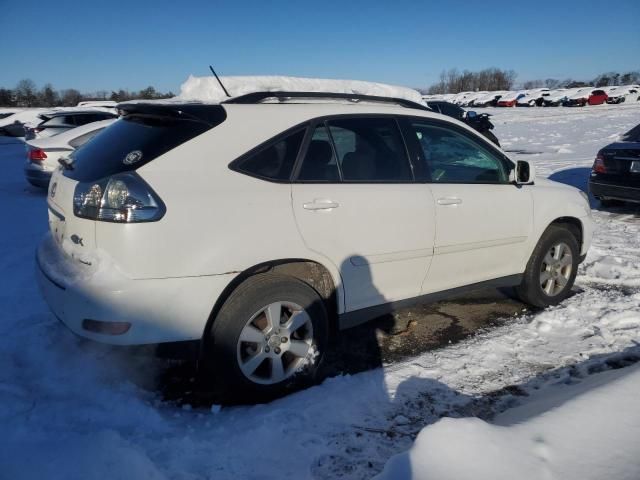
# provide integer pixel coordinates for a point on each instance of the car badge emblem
(52, 192)
(132, 157)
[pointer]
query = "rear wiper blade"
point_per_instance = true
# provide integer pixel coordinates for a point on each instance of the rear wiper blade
(66, 164)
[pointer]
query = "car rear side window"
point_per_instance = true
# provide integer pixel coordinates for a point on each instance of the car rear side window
(137, 139)
(370, 150)
(453, 157)
(273, 161)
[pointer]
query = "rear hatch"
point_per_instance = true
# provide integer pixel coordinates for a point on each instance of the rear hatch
(145, 132)
(622, 161)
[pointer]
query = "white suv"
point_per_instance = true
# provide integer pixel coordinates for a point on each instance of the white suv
(256, 228)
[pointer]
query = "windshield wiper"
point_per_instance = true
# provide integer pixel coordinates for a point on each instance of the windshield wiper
(66, 164)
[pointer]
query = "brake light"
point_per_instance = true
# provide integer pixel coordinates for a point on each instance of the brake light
(37, 154)
(123, 198)
(598, 165)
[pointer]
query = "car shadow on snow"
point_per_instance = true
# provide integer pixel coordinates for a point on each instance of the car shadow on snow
(578, 177)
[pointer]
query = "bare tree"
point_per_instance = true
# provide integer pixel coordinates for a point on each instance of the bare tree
(25, 93)
(48, 97)
(71, 97)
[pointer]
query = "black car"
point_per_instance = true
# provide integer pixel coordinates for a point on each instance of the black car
(57, 122)
(479, 122)
(615, 176)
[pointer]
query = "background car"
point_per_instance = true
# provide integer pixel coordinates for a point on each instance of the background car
(16, 121)
(479, 122)
(615, 175)
(57, 122)
(509, 99)
(557, 97)
(533, 98)
(579, 98)
(623, 94)
(597, 97)
(489, 99)
(43, 154)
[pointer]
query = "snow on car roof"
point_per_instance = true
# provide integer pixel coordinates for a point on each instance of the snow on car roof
(207, 89)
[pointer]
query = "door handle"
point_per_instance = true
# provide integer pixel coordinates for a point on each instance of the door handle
(449, 201)
(320, 205)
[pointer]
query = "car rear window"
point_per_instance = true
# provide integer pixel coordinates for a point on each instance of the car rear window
(139, 137)
(60, 121)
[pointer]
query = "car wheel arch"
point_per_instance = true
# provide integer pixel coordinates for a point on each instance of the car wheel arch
(573, 224)
(311, 272)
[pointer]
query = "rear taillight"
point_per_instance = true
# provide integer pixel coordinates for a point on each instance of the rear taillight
(37, 154)
(598, 165)
(122, 198)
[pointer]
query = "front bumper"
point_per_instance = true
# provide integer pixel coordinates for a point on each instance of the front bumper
(159, 310)
(614, 192)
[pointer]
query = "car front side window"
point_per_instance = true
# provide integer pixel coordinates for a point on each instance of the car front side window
(453, 157)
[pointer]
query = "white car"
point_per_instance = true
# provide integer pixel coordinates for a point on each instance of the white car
(489, 98)
(256, 225)
(557, 96)
(533, 98)
(626, 94)
(44, 154)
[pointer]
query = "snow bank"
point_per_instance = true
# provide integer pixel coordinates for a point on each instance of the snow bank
(591, 436)
(207, 89)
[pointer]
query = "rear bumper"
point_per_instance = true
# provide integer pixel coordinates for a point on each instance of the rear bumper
(37, 176)
(158, 310)
(614, 192)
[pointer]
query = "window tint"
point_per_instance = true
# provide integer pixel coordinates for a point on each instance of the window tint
(82, 139)
(274, 161)
(452, 157)
(370, 150)
(319, 163)
(60, 121)
(148, 135)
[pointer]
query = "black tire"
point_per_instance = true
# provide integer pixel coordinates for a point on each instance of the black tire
(222, 347)
(530, 290)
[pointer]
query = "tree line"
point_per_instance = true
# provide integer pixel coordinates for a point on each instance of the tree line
(491, 79)
(27, 94)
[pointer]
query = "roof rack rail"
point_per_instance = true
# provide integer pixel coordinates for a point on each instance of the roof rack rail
(256, 97)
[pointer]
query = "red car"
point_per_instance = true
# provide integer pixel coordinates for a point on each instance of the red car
(597, 97)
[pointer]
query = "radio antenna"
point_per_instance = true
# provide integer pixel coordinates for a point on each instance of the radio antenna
(218, 79)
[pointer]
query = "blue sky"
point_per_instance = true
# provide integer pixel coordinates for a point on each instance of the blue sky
(105, 45)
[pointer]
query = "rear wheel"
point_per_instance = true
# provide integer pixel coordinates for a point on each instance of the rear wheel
(268, 339)
(551, 270)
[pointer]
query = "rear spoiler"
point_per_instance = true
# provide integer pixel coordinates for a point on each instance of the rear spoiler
(211, 115)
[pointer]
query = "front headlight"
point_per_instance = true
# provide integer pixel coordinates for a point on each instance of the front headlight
(123, 198)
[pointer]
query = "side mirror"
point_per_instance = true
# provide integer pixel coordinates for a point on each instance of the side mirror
(471, 114)
(525, 173)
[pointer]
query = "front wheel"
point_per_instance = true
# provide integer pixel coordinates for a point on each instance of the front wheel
(551, 270)
(269, 338)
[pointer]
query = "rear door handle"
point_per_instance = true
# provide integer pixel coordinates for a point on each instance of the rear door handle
(320, 205)
(449, 201)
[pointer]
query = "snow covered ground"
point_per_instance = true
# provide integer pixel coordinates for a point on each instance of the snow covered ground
(74, 410)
